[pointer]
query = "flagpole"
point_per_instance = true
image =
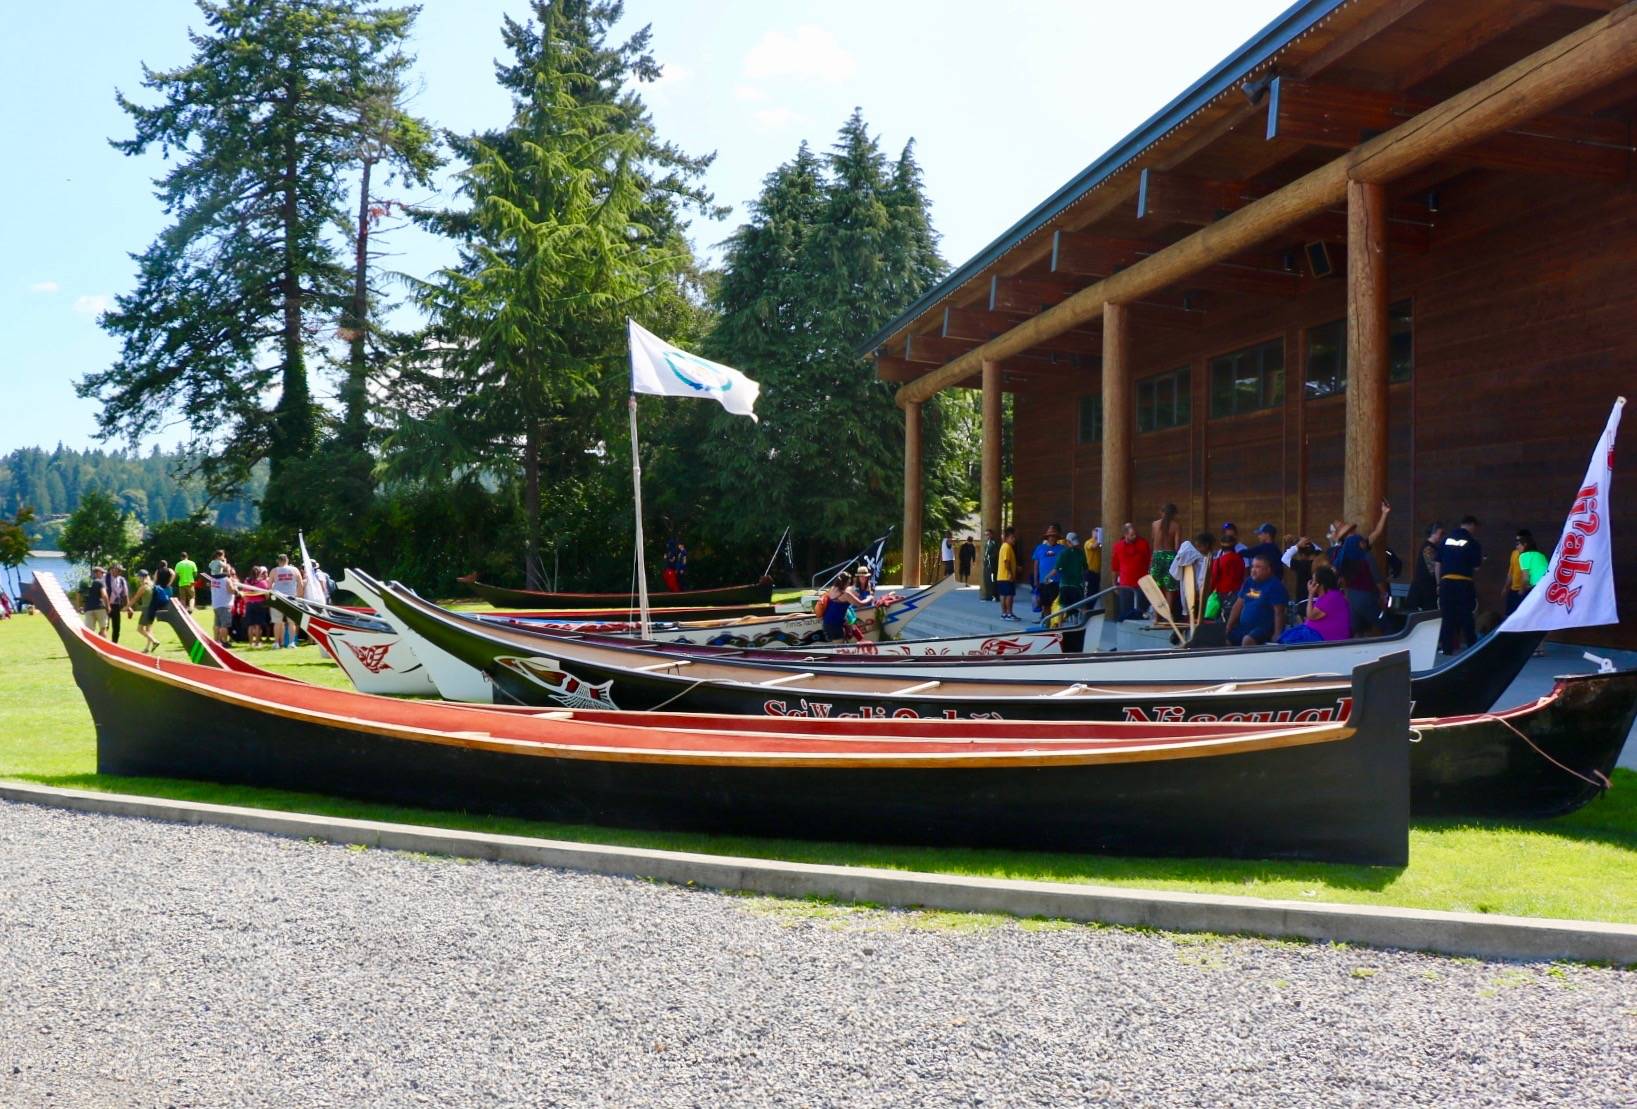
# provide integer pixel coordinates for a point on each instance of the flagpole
(636, 490)
(776, 549)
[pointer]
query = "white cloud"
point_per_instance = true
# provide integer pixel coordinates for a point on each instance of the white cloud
(810, 53)
(94, 304)
(44, 287)
(750, 94)
(771, 119)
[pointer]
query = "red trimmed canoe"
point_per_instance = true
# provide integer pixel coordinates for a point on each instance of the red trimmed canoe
(1336, 791)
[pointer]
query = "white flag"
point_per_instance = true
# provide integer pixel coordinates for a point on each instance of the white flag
(1578, 589)
(314, 590)
(664, 370)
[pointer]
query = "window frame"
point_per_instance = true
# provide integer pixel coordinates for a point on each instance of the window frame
(1402, 310)
(1180, 385)
(1262, 373)
(1080, 420)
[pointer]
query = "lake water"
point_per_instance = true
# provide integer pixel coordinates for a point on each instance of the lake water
(51, 562)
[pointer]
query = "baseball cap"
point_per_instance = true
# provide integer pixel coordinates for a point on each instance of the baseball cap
(1230, 526)
(1267, 529)
(1072, 537)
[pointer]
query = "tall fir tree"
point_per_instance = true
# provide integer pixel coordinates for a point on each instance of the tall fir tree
(833, 248)
(573, 222)
(235, 294)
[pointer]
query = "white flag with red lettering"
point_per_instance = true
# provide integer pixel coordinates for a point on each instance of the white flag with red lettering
(1578, 589)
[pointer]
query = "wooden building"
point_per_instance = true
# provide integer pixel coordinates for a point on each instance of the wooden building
(1387, 249)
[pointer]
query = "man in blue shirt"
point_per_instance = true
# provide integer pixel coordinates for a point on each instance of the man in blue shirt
(1045, 569)
(1258, 615)
(1458, 562)
(1267, 543)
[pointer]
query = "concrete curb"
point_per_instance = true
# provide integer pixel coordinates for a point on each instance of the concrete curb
(1475, 934)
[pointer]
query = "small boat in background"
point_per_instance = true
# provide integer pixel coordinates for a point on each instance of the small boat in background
(760, 593)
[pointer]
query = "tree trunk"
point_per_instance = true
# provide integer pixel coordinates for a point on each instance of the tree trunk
(292, 418)
(531, 508)
(356, 396)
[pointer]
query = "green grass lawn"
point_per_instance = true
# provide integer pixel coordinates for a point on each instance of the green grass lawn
(1582, 865)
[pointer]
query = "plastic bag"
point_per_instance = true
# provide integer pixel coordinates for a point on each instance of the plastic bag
(1213, 606)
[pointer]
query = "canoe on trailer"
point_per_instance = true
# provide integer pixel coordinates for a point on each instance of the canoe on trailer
(501, 597)
(1540, 759)
(1335, 792)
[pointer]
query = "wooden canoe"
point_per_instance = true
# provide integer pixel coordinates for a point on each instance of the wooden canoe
(1333, 791)
(723, 596)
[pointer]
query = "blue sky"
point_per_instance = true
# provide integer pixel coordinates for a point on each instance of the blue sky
(1005, 103)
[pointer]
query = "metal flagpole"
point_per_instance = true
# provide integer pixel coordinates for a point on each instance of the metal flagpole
(636, 489)
(779, 547)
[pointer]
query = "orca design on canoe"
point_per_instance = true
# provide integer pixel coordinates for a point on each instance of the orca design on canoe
(1335, 791)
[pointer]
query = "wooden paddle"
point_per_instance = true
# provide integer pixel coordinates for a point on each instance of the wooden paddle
(1162, 608)
(1190, 597)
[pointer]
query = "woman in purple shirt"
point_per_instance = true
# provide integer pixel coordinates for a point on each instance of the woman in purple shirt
(1327, 611)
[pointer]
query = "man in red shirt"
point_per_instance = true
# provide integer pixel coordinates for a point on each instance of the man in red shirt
(1130, 562)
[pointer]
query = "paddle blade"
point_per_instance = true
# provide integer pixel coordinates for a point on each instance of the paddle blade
(1156, 597)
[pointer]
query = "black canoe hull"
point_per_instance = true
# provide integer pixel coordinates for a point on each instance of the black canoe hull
(1344, 800)
(727, 595)
(1473, 768)
(1551, 760)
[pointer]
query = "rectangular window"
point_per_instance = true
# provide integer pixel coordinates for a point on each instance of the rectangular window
(1248, 380)
(1164, 401)
(1091, 419)
(1327, 352)
(1326, 360)
(1400, 341)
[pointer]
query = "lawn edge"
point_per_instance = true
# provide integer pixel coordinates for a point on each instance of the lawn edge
(1449, 933)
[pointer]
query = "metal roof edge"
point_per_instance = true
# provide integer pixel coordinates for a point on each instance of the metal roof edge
(1298, 18)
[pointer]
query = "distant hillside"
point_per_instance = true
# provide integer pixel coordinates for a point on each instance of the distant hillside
(148, 485)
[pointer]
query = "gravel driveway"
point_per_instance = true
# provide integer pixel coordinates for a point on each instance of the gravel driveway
(158, 964)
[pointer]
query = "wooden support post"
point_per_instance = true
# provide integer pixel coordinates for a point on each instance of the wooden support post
(1368, 356)
(1117, 421)
(989, 505)
(912, 493)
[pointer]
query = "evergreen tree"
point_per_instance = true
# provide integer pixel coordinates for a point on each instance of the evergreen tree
(572, 224)
(263, 121)
(14, 542)
(95, 532)
(833, 248)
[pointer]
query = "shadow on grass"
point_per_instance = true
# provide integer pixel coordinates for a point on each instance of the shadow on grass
(982, 862)
(1610, 820)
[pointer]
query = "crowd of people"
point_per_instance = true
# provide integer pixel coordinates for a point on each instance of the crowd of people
(1267, 591)
(238, 603)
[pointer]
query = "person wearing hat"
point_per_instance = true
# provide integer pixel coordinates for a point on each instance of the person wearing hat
(1070, 571)
(1267, 543)
(119, 598)
(863, 586)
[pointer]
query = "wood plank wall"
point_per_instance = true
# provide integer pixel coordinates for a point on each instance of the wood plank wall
(1525, 329)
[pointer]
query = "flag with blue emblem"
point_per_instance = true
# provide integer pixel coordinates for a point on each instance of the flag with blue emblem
(660, 369)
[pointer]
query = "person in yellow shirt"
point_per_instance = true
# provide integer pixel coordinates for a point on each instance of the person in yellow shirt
(1094, 562)
(1006, 573)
